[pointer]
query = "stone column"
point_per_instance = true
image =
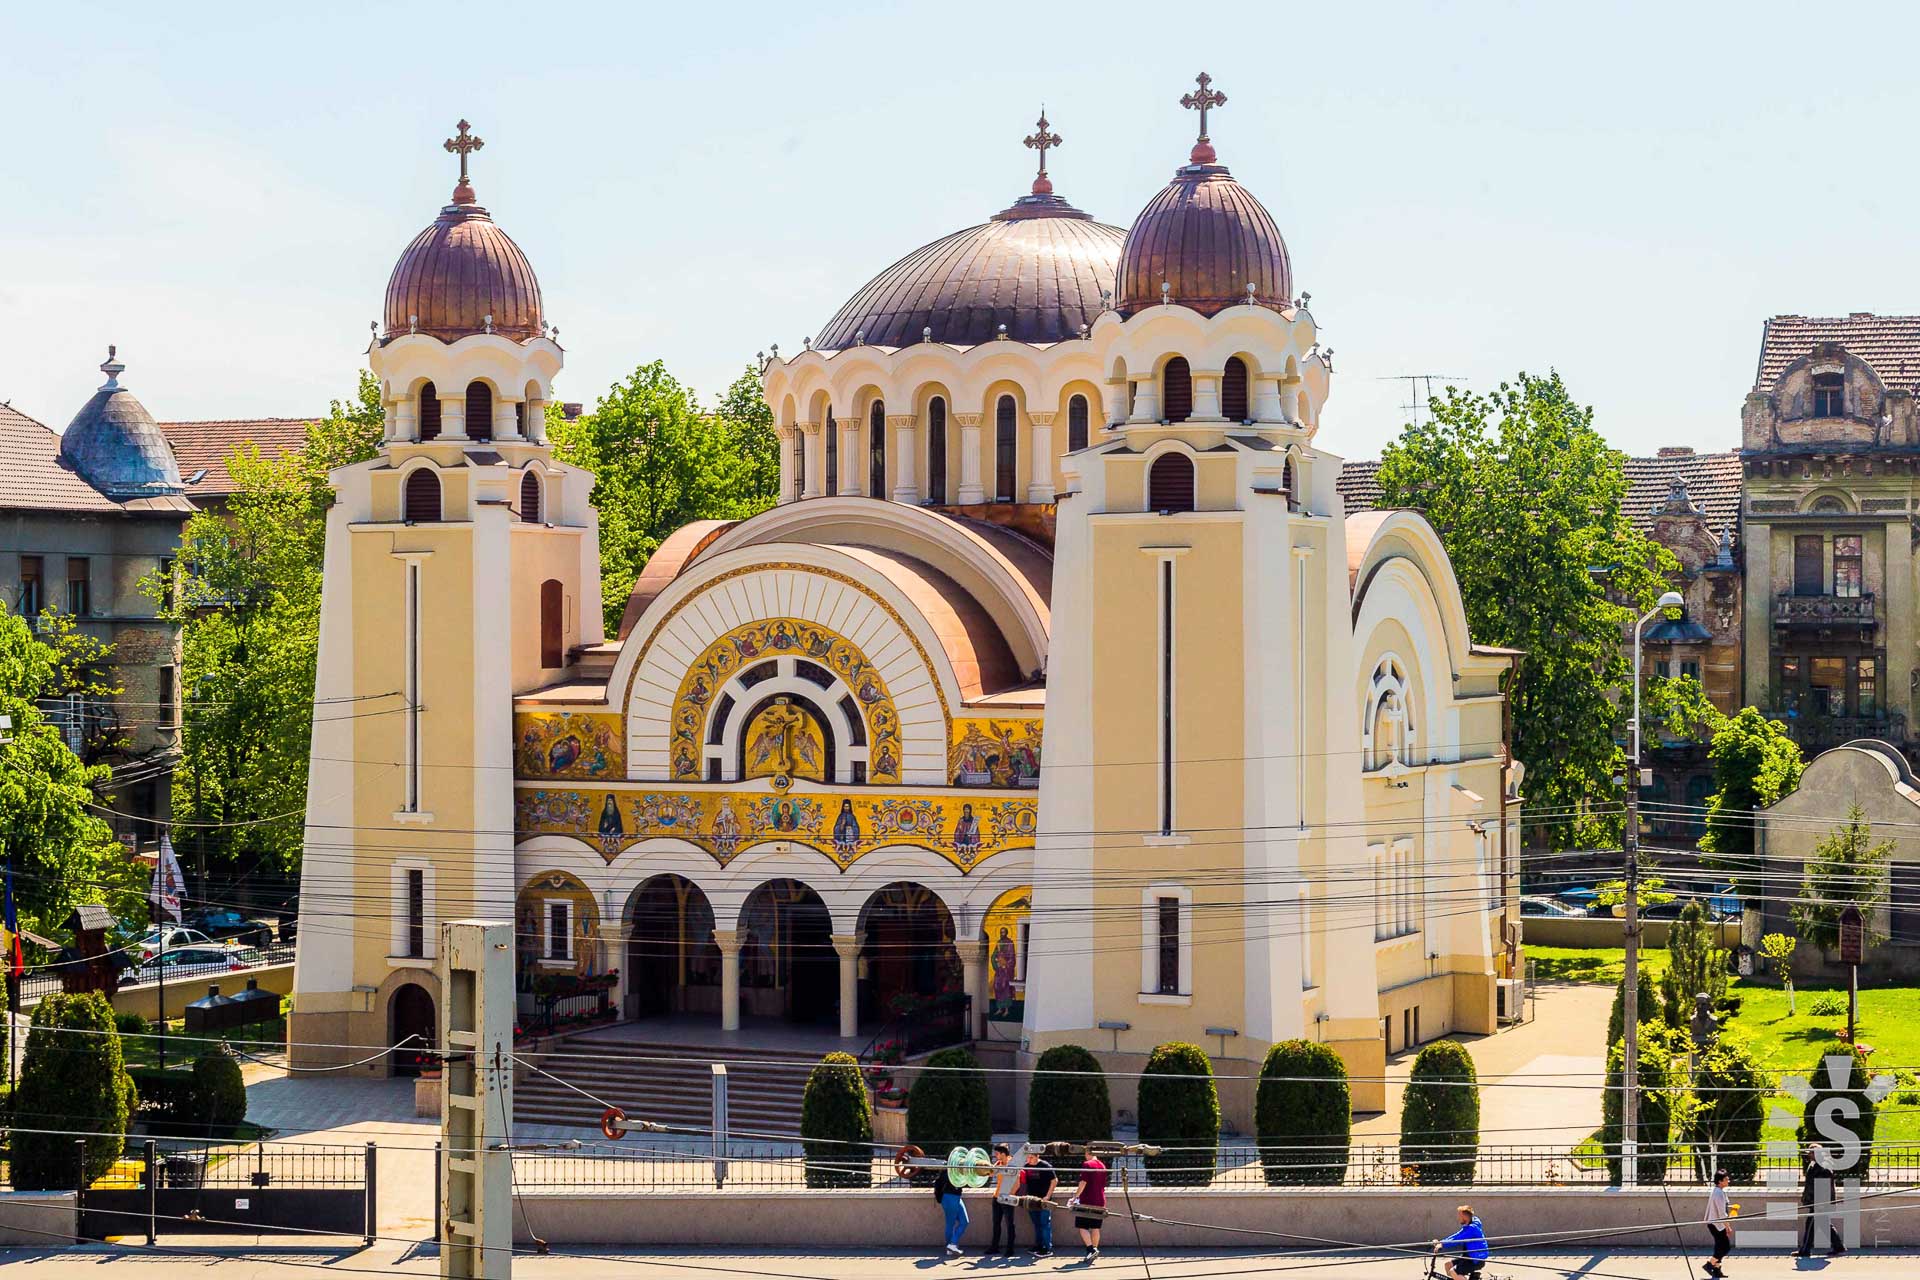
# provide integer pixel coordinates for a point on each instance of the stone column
(453, 417)
(1146, 400)
(853, 457)
(1040, 482)
(506, 420)
(613, 944)
(1756, 633)
(847, 947)
(1113, 404)
(816, 459)
(1206, 394)
(406, 419)
(1266, 401)
(973, 970)
(970, 488)
(536, 419)
(906, 463)
(1896, 615)
(786, 436)
(728, 940)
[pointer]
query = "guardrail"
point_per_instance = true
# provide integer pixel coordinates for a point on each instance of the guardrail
(49, 979)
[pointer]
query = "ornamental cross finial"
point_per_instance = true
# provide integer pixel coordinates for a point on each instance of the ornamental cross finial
(1042, 141)
(464, 144)
(1203, 102)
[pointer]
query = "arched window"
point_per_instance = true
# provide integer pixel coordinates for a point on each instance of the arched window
(530, 497)
(877, 450)
(799, 463)
(520, 417)
(429, 413)
(552, 624)
(421, 504)
(1176, 391)
(1233, 391)
(1005, 448)
(1170, 483)
(833, 456)
(1388, 728)
(937, 450)
(1076, 423)
(1287, 479)
(479, 411)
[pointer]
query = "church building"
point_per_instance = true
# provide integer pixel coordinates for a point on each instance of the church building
(1057, 691)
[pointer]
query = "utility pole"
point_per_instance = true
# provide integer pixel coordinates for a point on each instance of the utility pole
(476, 1100)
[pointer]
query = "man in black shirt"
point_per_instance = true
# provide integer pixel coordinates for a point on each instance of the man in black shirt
(1037, 1180)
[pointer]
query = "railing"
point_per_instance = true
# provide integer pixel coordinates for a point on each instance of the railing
(1816, 731)
(48, 979)
(1823, 611)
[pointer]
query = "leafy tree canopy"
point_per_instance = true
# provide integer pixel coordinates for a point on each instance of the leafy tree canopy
(1846, 868)
(1754, 764)
(1526, 496)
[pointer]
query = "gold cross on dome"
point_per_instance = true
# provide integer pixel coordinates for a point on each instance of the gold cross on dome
(463, 145)
(1042, 141)
(1203, 101)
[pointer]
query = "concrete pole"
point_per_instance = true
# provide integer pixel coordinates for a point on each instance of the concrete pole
(973, 979)
(476, 1107)
(728, 940)
(847, 947)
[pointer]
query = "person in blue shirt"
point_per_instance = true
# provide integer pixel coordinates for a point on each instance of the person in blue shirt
(1469, 1244)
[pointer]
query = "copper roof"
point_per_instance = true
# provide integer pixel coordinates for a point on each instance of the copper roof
(1712, 480)
(1207, 238)
(981, 661)
(1891, 344)
(1039, 267)
(35, 479)
(206, 447)
(459, 271)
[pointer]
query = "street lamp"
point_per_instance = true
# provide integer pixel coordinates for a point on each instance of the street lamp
(1630, 995)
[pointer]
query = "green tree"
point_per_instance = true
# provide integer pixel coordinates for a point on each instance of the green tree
(1694, 965)
(659, 462)
(948, 1105)
(1648, 1007)
(1661, 1072)
(1440, 1116)
(1778, 947)
(1730, 1090)
(1846, 868)
(1180, 1112)
(72, 1081)
(1303, 1115)
(1067, 1099)
(217, 1079)
(1754, 764)
(1841, 1098)
(836, 1125)
(1526, 496)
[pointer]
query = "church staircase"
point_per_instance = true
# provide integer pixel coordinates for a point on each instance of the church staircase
(668, 1083)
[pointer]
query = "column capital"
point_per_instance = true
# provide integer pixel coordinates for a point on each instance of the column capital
(847, 945)
(809, 428)
(728, 940)
(1043, 419)
(970, 952)
(970, 421)
(616, 930)
(898, 420)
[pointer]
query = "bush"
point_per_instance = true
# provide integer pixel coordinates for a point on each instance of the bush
(72, 1078)
(1730, 1091)
(1440, 1116)
(1828, 1004)
(1303, 1115)
(1649, 1009)
(1851, 1086)
(836, 1125)
(1694, 965)
(1179, 1108)
(222, 1093)
(131, 1024)
(948, 1107)
(1067, 1100)
(1661, 1069)
(169, 1099)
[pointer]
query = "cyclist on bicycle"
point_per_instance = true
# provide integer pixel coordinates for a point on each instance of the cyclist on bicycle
(1469, 1244)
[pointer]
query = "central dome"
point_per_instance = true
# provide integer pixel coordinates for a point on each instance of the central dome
(1039, 267)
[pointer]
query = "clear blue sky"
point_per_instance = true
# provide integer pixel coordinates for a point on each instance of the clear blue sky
(1624, 192)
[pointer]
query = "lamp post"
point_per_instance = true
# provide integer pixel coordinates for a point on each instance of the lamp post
(1630, 996)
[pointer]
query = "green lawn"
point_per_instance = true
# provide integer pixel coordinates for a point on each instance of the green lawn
(144, 1050)
(1597, 964)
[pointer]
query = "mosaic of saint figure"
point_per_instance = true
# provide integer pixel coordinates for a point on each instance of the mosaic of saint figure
(612, 828)
(726, 830)
(966, 832)
(1006, 963)
(846, 831)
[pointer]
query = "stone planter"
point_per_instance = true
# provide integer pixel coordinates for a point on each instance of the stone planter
(890, 1127)
(426, 1094)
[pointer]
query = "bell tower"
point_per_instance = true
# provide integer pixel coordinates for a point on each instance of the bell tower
(462, 568)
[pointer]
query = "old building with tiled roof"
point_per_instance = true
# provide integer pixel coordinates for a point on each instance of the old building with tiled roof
(204, 451)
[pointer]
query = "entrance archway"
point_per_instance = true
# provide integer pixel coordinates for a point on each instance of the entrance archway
(672, 960)
(788, 967)
(410, 1013)
(907, 945)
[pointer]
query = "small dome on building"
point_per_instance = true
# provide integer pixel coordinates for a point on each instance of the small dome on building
(114, 444)
(1205, 237)
(463, 274)
(1037, 271)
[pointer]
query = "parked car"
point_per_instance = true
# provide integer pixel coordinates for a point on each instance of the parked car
(187, 961)
(144, 947)
(1534, 904)
(231, 924)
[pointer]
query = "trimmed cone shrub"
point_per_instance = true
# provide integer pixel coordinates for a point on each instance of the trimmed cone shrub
(216, 1078)
(948, 1106)
(1854, 1113)
(1730, 1093)
(1179, 1108)
(836, 1125)
(1663, 1053)
(1649, 1010)
(1440, 1117)
(1067, 1100)
(72, 1078)
(1303, 1115)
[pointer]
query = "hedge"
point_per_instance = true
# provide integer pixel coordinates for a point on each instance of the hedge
(205, 1100)
(1852, 1087)
(72, 1078)
(216, 1077)
(1303, 1115)
(1179, 1107)
(948, 1105)
(1730, 1091)
(836, 1124)
(1662, 1064)
(1067, 1100)
(1440, 1116)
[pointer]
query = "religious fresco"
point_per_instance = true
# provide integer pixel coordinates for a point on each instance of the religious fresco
(568, 744)
(784, 741)
(994, 753)
(777, 638)
(535, 941)
(1005, 927)
(842, 827)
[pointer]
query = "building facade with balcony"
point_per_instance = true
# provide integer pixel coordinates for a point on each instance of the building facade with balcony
(1829, 450)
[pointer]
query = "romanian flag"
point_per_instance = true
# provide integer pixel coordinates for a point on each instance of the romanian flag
(16, 960)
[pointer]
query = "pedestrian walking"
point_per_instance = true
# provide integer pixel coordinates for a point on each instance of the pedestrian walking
(952, 1209)
(1719, 1220)
(1006, 1194)
(1037, 1181)
(1090, 1204)
(1816, 1200)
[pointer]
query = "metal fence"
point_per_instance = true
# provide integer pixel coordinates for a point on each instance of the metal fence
(49, 979)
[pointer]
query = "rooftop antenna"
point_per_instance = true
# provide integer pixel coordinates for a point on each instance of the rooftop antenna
(1420, 388)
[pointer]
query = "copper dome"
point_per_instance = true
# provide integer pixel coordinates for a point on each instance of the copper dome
(460, 270)
(1207, 238)
(1039, 267)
